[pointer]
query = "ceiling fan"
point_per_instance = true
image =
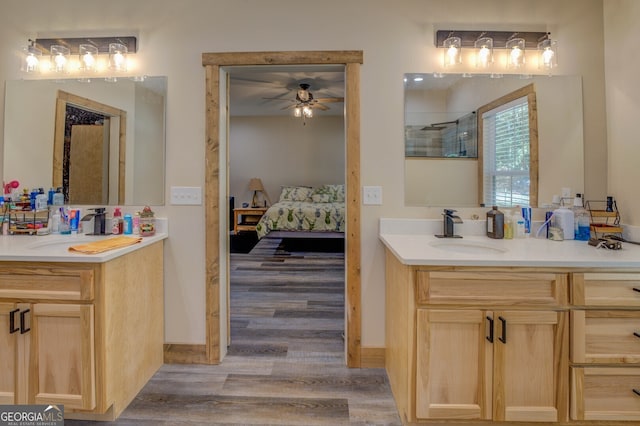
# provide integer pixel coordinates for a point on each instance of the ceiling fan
(304, 100)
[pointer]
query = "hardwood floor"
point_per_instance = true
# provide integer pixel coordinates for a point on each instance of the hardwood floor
(285, 365)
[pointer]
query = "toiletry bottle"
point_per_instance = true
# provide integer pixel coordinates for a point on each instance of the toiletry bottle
(508, 226)
(563, 220)
(136, 223)
(518, 224)
(581, 220)
(50, 196)
(116, 223)
(609, 204)
(58, 198)
(495, 223)
(41, 200)
(526, 214)
(128, 224)
(55, 222)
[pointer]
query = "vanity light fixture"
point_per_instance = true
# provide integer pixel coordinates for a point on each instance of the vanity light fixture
(31, 58)
(485, 42)
(548, 53)
(89, 54)
(60, 58)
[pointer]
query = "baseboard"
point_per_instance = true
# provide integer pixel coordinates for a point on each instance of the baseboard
(185, 354)
(372, 357)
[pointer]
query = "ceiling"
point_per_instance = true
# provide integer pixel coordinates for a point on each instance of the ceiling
(250, 85)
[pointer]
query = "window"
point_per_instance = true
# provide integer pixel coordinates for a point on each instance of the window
(508, 139)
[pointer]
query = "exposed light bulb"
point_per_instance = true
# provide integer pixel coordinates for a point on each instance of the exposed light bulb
(483, 56)
(547, 57)
(88, 60)
(32, 63)
(516, 58)
(297, 112)
(60, 62)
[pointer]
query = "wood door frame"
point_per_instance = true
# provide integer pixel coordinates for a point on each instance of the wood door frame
(212, 63)
(62, 100)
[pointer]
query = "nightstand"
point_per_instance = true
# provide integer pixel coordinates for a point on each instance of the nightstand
(246, 219)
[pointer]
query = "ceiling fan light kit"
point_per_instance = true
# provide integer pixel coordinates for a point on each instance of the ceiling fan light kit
(304, 102)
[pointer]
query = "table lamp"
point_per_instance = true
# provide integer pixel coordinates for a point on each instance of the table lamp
(255, 185)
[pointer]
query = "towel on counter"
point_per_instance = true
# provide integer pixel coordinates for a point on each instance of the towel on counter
(100, 246)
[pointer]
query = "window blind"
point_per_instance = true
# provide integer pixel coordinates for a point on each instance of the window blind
(506, 154)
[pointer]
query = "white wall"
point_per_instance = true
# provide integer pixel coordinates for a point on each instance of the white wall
(623, 105)
(396, 37)
(282, 151)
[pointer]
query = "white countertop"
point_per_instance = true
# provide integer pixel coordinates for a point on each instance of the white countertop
(413, 242)
(55, 247)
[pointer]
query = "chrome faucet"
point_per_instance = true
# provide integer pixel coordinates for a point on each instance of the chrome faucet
(99, 220)
(449, 218)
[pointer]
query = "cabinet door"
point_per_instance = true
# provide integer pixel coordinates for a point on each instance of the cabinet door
(453, 362)
(62, 355)
(8, 355)
(530, 366)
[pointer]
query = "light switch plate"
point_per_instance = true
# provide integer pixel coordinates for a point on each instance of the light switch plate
(186, 195)
(372, 195)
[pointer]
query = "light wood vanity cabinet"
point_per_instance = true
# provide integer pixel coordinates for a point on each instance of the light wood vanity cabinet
(605, 347)
(572, 351)
(493, 363)
(85, 335)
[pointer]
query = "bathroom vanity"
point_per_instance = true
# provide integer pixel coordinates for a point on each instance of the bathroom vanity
(84, 331)
(511, 330)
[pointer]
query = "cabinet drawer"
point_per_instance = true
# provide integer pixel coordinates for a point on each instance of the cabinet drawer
(606, 289)
(605, 337)
(605, 393)
(495, 288)
(47, 282)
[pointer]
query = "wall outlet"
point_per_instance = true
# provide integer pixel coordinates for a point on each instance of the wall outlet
(186, 195)
(372, 195)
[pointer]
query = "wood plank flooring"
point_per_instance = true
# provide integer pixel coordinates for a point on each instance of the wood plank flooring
(285, 365)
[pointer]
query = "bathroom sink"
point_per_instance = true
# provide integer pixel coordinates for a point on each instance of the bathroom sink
(468, 247)
(64, 241)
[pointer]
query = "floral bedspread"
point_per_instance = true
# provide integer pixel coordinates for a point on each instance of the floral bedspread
(302, 216)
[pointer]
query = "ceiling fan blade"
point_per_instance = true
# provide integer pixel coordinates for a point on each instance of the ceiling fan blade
(326, 100)
(289, 107)
(279, 99)
(320, 106)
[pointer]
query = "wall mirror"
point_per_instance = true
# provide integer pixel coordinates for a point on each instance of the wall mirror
(124, 164)
(450, 178)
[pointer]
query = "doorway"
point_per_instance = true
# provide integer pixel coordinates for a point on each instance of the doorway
(216, 232)
(62, 139)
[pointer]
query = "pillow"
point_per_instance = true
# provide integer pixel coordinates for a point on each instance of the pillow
(334, 193)
(295, 193)
(321, 198)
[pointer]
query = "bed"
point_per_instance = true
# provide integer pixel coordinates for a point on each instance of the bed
(305, 211)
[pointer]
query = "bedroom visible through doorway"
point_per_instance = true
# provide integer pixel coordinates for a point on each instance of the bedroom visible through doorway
(287, 288)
